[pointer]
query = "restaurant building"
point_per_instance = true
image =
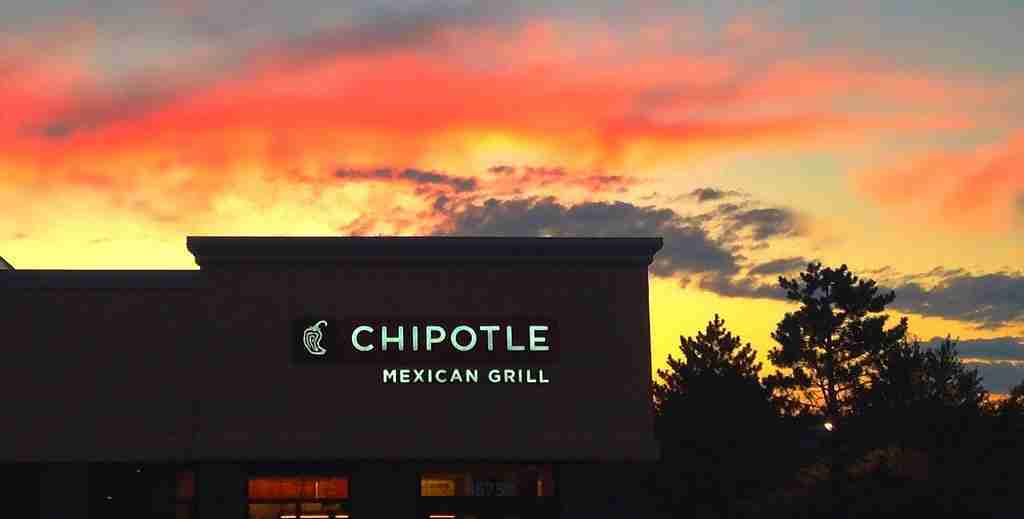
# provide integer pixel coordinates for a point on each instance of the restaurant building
(287, 378)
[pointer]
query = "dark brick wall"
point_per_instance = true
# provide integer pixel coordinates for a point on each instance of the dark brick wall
(98, 374)
(206, 372)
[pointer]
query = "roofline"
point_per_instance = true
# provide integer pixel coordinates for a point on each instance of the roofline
(214, 251)
(44, 279)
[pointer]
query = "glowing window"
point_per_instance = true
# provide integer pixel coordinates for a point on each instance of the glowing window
(298, 497)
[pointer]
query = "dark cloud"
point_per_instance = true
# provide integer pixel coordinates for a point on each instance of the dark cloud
(688, 249)
(441, 203)
(542, 172)
(720, 213)
(998, 377)
(501, 169)
(517, 178)
(999, 360)
(744, 287)
(705, 194)
(415, 176)
(598, 183)
(378, 27)
(779, 266)
(113, 99)
(727, 208)
(432, 177)
(937, 272)
(689, 253)
(990, 300)
(531, 174)
(997, 348)
(57, 130)
(879, 271)
(353, 174)
(764, 223)
(92, 108)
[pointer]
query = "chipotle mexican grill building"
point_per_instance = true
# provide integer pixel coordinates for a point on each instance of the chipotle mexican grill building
(287, 378)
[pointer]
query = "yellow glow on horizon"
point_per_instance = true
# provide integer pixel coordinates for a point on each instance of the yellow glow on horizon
(677, 311)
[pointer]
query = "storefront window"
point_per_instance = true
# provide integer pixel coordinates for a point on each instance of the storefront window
(298, 497)
(492, 480)
(487, 491)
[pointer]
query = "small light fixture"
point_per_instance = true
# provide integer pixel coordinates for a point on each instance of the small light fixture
(829, 426)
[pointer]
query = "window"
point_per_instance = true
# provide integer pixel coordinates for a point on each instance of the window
(298, 497)
(489, 480)
(487, 491)
(438, 485)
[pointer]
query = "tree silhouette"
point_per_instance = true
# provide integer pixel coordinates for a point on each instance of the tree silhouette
(827, 346)
(712, 417)
(714, 356)
(907, 375)
(924, 399)
(1014, 403)
(715, 379)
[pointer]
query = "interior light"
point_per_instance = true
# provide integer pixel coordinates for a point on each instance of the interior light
(441, 516)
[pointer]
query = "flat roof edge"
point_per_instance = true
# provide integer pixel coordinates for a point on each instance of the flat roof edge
(232, 250)
(99, 279)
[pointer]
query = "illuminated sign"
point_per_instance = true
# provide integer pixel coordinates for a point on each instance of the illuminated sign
(485, 349)
(517, 340)
(312, 336)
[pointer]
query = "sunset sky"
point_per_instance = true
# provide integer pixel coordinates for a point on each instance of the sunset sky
(886, 135)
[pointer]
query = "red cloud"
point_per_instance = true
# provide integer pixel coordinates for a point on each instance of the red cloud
(977, 189)
(550, 98)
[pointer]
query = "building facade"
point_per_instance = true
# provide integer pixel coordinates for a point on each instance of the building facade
(286, 378)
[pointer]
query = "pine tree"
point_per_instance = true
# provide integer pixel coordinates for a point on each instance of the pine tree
(712, 417)
(712, 358)
(827, 346)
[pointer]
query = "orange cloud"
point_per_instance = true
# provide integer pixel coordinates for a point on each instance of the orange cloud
(974, 189)
(548, 98)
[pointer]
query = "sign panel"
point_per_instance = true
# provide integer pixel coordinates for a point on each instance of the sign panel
(517, 340)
